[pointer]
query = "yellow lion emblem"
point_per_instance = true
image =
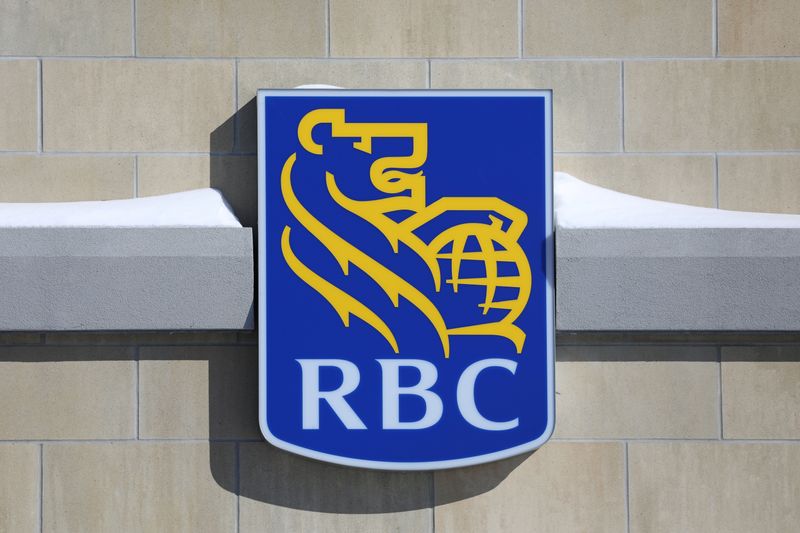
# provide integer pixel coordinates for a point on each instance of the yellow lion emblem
(407, 193)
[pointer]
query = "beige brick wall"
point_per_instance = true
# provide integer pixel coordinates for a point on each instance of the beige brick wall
(693, 101)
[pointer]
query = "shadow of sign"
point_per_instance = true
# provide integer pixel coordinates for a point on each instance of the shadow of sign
(260, 471)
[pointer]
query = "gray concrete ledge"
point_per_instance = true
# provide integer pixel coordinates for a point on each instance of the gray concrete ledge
(111, 279)
(678, 279)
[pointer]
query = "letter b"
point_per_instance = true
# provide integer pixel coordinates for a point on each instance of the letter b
(392, 392)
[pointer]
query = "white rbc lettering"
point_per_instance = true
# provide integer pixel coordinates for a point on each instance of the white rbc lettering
(465, 395)
(335, 398)
(392, 391)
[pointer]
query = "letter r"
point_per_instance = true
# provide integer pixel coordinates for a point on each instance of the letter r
(312, 396)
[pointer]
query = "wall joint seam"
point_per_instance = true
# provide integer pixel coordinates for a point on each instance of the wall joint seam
(133, 28)
(41, 487)
(627, 488)
(716, 180)
(327, 28)
(521, 28)
(237, 470)
(136, 176)
(622, 104)
(715, 27)
(433, 502)
(40, 107)
(138, 392)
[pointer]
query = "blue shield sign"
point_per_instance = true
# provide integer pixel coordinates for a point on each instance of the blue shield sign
(405, 275)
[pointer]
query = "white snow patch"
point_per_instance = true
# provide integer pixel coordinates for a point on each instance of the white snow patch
(578, 204)
(317, 86)
(197, 208)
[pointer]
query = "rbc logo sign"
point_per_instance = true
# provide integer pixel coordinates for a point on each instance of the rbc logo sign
(405, 275)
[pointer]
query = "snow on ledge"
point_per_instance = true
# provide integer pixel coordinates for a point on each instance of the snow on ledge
(317, 86)
(578, 204)
(197, 208)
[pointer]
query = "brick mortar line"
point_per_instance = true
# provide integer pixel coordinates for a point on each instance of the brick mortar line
(136, 176)
(716, 180)
(565, 344)
(124, 345)
(131, 440)
(668, 344)
(129, 154)
(654, 440)
(627, 486)
(134, 44)
(586, 59)
(622, 104)
(55, 153)
(39, 107)
(719, 388)
(428, 78)
(41, 488)
(715, 27)
(238, 472)
(433, 501)
(521, 28)
(327, 28)
(138, 395)
(586, 440)
(510, 58)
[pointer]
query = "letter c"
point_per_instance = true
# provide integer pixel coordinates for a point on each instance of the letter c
(465, 394)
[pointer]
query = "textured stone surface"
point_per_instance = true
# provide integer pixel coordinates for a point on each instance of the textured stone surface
(90, 279)
(18, 100)
(615, 28)
(230, 28)
(638, 399)
(198, 392)
(285, 492)
(77, 27)
(30, 178)
(563, 486)
(19, 487)
(419, 28)
(761, 392)
(67, 393)
(678, 279)
(136, 105)
(138, 486)
(713, 486)
(768, 183)
(586, 96)
(759, 28)
(670, 178)
(697, 106)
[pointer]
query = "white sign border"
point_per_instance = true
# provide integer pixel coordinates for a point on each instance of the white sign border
(549, 271)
